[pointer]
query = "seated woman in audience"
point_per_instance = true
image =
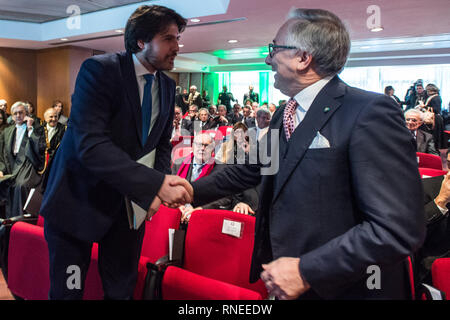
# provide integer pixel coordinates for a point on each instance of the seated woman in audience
(3, 119)
(32, 114)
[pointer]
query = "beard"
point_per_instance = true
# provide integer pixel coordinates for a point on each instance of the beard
(165, 63)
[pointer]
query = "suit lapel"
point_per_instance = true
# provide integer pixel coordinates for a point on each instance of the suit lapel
(420, 141)
(132, 90)
(322, 108)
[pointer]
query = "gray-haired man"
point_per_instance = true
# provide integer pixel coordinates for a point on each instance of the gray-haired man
(336, 209)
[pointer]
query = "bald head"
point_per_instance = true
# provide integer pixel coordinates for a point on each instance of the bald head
(51, 117)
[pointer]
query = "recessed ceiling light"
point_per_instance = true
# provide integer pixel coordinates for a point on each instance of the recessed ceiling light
(181, 45)
(398, 41)
(428, 43)
(237, 51)
(64, 39)
(366, 47)
(119, 31)
(174, 69)
(232, 41)
(377, 29)
(195, 20)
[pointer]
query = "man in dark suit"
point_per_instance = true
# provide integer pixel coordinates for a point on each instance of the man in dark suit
(247, 119)
(236, 116)
(330, 212)
(424, 140)
(117, 145)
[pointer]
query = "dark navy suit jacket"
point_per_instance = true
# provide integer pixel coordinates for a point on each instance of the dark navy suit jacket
(340, 209)
(95, 166)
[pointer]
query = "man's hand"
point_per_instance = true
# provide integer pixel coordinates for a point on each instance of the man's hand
(186, 212)
(244, 208)
(283, 280)
(29, 121)
(444, 194)
(175, 191)
(1, 174)
(154, 207)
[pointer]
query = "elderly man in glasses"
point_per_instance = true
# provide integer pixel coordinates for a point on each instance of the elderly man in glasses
(424, 140)
(331, 222)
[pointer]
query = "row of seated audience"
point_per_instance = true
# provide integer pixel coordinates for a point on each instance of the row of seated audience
(27, 146)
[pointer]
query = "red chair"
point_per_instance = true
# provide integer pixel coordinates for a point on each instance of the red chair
(179, 153)
(427, 172)
(429, 161)
(216, 265)
(225, 130)
(28, 265)
(156, 242)
(440, 273)
(186, 141)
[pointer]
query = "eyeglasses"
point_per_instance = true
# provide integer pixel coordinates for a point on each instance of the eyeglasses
(204, 145)
(411, 119)
(275, 46)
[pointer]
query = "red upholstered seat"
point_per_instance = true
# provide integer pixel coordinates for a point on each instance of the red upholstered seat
(225, 130)
(28, 265)
(197, 287)
(440, 273)
(429, 161)
(214, 260)
(427, 172)
(156, 242)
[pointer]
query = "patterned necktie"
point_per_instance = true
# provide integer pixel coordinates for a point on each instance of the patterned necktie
(147, 107)
(288, 118)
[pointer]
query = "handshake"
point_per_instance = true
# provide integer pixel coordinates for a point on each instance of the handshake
(174, 192)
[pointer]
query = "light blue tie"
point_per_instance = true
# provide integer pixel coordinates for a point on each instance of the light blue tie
(147, 107)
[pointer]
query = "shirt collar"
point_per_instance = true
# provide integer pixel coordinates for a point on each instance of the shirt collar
(139, 67)
(306, 97)
(21, 126)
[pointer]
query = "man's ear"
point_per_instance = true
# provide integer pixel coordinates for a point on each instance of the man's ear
(304, 61)
(141, 44)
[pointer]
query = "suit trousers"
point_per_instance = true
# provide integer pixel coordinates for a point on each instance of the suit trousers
(118, 257)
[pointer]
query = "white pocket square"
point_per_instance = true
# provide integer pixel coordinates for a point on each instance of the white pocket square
(319, 142)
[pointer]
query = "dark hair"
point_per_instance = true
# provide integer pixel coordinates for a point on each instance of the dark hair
(387, 89)
(4, 116)
(146, 22)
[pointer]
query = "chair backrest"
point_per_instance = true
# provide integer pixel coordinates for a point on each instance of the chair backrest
(225, 130)
(210, 252)
(429, 161)
(179, 153)
(427, 172)
(156, 238)
(185, 141)
(440, 274)
(40, 221)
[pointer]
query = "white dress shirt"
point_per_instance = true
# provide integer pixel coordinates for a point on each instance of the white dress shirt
(20, 132)
(306, 97)
(149, 159)
(50, 132)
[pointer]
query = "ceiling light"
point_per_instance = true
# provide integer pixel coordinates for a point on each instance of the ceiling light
(195, 20)
(366, 47)
(232, 41)
(237, 51)
(64, 39)
(398, 41)
(181, 45)
(377, 29)
(119, 31)
(428, 43)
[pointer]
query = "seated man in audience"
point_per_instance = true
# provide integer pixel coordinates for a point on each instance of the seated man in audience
(4, 107)
(437, 241)
(424, 141)
(21, 160)
(195, 97)
(212, 110)
(247, 119)
(181, 126)
(272, 108)
(201, 163)
(236, 116)
(222, 119)
(263, 121)
(204, 122)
